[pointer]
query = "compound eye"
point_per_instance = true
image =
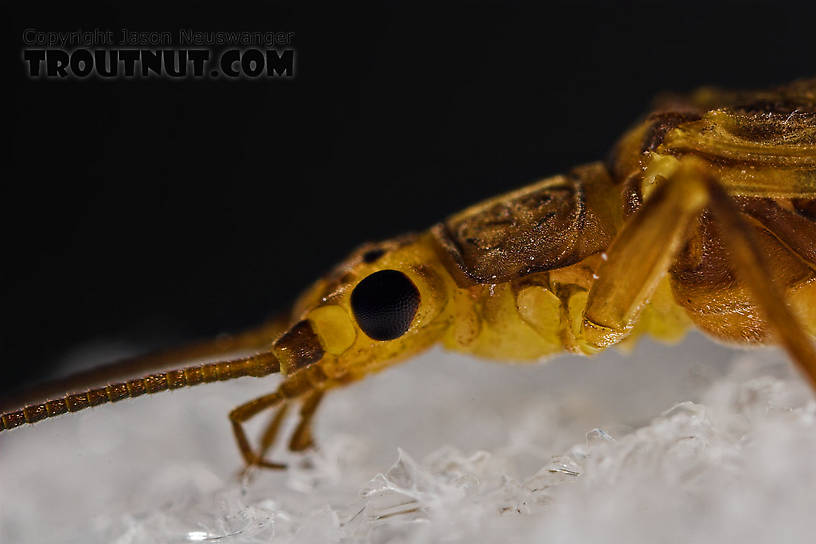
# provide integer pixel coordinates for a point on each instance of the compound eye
(384, 304)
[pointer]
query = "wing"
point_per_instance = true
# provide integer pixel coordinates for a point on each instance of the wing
(760, 143)
(550, 224)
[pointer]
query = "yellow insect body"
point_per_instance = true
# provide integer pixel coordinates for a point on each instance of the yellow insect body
(704, 215)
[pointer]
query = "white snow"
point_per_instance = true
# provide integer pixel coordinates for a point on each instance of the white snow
(689, 443)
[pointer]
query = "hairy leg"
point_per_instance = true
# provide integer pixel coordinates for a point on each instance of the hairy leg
(272, 429)
(291, 388)
(302, 436)
(643, 251)
(638, 258)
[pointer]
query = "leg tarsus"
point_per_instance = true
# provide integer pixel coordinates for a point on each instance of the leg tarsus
(291, 389)
(302, 436)
(270, 434)
(241, 414)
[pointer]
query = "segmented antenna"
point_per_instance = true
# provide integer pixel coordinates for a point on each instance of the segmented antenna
(261, 364)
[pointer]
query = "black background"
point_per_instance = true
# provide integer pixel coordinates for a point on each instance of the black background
(150, 212)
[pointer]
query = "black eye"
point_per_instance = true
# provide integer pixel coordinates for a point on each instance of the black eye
(384, 304)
